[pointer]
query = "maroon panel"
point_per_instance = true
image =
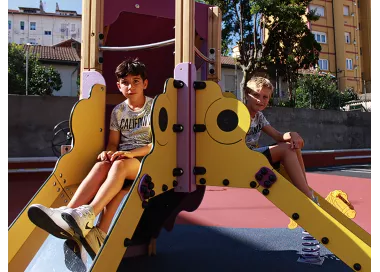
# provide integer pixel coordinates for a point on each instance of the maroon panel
(135, 29)
(162, 8)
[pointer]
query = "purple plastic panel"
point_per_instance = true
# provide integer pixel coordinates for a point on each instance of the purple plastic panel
(90, 78)
(144, 187)
(186, 117)
(265, 177)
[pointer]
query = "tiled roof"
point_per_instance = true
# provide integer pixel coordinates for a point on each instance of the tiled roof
(227, 60)
(54, 53)
(13, 10)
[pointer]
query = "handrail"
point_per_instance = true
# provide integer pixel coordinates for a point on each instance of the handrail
(137, 47)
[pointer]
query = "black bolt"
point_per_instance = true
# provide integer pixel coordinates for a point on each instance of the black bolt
(101, 36)
(127, 242)
(198, 170)
(199, 128)
(265, 192)
(175, 183)
(272, 178)
(202, 181)
(264, 171)
(212, 71)
(259, 176)
(150, 185)
(226, 182)
(295, 216)
(164, 187)
(100, 60)
(357, 267)
(253, 184)
(152, 193)
(148, 178)
(145, 204)
(325, 240)
(144, 188)
(177, 128)
(177, 172)
(267, 183)
(178, 84)
(199, 85)
(212, 51)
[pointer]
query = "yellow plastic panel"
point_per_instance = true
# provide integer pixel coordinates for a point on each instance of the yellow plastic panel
(87, 125)
(24, 237)
(159, 164)
(225, 156)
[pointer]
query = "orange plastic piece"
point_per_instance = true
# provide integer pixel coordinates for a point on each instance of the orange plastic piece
(339, 200)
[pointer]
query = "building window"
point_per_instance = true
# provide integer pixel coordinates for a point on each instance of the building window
(320, 11)
(32, 41)
(9, 24)
(22, 25)
(346, 10)
(349, 64)
(47, 32)
(320, 37)
(32, 25)
(347, 37)
(73, 36)
(22, 40)
(72, 27)
(323, 64)
(9, 39)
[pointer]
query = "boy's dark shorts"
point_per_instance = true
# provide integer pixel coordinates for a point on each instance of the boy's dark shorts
(129, 182)
(265, 151)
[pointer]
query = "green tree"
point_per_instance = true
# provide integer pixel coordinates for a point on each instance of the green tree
(320, 92)
(290, 45)
(42, 80)
(241, 25)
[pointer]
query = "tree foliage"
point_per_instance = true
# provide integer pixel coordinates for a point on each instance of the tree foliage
(41, 80)
(242, 26)
(290, 45)
(321, 92)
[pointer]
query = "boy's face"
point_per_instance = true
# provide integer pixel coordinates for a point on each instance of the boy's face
(257, 100)
(132, 86)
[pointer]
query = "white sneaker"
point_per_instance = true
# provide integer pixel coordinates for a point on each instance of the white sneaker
(50, 220)
(93, 241)
(80, 219)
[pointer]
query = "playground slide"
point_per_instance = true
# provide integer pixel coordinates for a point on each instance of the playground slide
(328, 225)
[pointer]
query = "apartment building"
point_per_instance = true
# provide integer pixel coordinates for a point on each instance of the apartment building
(344, 32)
(37, 27)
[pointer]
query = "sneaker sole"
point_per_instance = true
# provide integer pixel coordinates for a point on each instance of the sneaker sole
(43, 221)
(73, 224)
(86, 245)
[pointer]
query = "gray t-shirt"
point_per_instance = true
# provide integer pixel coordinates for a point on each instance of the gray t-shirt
(254, 132)
(134, 126)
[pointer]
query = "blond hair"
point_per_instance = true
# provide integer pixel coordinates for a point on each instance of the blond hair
(257, 83)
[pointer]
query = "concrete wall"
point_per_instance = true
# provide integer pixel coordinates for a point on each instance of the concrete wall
(322, 129)
(31, 121)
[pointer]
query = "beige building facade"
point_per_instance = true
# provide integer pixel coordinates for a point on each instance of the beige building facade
(343, 30)
(37, 27)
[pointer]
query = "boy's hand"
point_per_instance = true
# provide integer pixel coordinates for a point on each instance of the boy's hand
(121, 155)
(105, 155)
(296, 141)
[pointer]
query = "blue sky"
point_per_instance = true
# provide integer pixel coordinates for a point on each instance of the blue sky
(49, 5)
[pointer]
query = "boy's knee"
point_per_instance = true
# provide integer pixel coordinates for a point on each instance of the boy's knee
(103, 165)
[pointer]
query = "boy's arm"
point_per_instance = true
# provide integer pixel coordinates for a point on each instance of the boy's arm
(141, 151)
(293, 137)
(113, 140)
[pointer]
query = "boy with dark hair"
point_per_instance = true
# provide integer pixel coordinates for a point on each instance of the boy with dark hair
(130, 139)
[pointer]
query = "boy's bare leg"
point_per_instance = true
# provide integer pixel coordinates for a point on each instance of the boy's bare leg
(91, 184)
(110, 210)
(300, 160)
(120, 170)
(282, 152)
